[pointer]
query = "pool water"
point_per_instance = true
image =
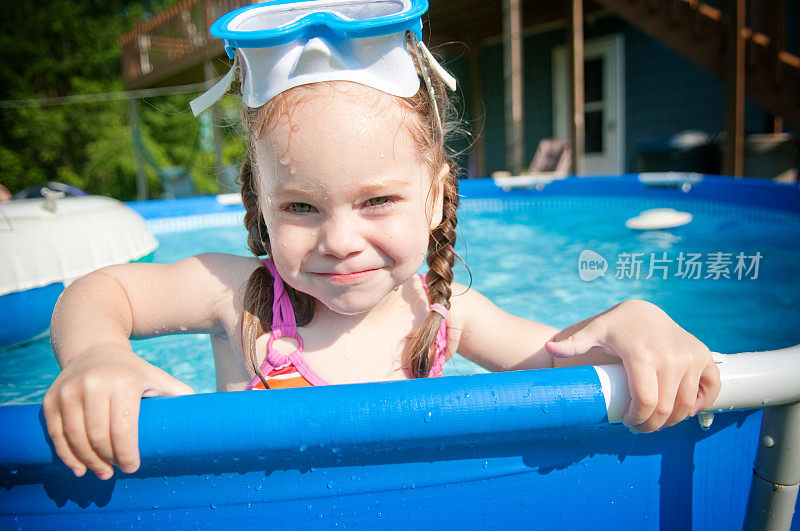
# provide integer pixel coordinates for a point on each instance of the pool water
(524, 255)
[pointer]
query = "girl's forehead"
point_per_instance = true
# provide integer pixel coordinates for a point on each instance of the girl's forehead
(338, 112)
(334, 131)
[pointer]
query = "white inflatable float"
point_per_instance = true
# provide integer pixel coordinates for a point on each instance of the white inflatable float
(659, 219)
(48, 243)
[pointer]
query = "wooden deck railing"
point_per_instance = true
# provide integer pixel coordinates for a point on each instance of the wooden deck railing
(172, 41)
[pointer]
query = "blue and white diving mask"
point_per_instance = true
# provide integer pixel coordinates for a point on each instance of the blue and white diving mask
(285, 43)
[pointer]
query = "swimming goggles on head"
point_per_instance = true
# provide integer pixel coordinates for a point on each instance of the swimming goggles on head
(285, 43)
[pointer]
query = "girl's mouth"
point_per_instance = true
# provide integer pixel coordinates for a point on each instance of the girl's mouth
(348, 278)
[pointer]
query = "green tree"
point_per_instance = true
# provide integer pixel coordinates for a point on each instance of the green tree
(55, 48)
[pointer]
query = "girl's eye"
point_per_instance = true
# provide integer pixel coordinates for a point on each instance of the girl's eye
(378, 201)
(300, 208)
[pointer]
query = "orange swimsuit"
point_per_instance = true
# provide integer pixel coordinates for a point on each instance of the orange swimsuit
(292, 371)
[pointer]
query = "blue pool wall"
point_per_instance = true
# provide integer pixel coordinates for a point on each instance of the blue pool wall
(505, 449)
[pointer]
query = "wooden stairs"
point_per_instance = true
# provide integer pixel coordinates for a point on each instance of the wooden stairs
(702, 33)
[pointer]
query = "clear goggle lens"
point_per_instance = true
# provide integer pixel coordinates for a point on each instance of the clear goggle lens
(284, 14)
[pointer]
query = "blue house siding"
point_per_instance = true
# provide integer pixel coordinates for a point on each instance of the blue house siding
(664, 93)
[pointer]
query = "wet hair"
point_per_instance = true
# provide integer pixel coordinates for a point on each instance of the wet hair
(429, 134)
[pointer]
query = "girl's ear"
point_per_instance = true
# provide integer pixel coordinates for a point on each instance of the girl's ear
(438, 200)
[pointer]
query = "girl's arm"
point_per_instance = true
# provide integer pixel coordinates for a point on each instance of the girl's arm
(92, 407)
(671, 374)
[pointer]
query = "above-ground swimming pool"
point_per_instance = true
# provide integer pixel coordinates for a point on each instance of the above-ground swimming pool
(541, 450)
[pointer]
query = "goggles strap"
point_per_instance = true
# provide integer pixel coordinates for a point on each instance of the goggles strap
(212, 95)
(448, 79)
(428, 83)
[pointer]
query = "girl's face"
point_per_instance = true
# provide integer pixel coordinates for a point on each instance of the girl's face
(346, 200)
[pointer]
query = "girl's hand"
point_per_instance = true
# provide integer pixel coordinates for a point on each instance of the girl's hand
(671, 374)
(92, 408)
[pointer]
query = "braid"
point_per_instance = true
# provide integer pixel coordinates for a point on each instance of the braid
(257, 303)
(437, 121)
(257, 237)
(258, 294)
(441, 257)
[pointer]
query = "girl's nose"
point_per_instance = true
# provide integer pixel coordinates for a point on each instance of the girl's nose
(339, 237)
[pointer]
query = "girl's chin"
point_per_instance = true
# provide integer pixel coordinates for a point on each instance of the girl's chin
(349, 307)
(355, 305)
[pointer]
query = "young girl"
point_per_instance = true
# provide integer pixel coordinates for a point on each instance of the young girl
(347, 188)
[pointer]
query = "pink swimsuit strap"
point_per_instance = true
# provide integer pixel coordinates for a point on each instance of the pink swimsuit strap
(285, 325)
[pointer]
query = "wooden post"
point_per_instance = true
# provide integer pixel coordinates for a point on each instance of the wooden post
(210, 75)
(141, 178)
(478, 111)
(575, 75)
(512, 81)
(733, 152)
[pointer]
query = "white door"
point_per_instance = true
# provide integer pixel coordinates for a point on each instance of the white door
(604, 93)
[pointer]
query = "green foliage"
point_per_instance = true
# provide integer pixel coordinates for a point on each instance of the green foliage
(54, 48)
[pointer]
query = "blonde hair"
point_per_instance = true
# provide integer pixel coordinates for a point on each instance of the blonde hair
(429, 133)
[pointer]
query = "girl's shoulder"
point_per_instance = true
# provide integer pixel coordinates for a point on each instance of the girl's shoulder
(226, 270)
(465, 301)
(222, 278)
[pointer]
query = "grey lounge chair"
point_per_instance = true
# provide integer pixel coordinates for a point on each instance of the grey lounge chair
(552, 161)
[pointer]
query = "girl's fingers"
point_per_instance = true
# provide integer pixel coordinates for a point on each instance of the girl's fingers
(667, 385)
(580, 341)
(125, 433)
(55, 429)
(708, 390)
(78, 440)
(97, 422)
(643, 387)
(685, 399)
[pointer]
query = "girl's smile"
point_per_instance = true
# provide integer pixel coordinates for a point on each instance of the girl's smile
(354, 277)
